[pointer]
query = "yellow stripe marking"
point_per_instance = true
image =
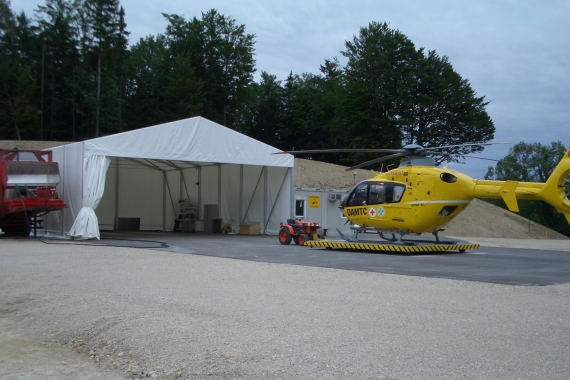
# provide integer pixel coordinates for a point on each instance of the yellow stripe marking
(385, 247)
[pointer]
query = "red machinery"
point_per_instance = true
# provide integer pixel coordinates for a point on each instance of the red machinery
(297, 230)
(28, 180)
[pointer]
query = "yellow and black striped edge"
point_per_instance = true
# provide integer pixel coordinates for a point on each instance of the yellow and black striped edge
(391, 247)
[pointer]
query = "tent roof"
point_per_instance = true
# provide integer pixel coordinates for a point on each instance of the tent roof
(189, 140)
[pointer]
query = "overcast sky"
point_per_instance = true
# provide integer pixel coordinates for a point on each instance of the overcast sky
(515, 53)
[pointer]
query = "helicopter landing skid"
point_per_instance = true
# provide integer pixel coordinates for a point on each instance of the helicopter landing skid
(399, 240)
(343, 237)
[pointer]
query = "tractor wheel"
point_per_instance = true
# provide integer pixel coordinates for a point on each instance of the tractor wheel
(296, 239)
(303, 238)
(285, 236)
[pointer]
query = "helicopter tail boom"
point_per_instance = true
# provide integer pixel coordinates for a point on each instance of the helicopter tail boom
(555, 191)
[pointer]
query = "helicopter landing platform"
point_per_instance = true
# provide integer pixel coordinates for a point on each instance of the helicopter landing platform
(388, 247)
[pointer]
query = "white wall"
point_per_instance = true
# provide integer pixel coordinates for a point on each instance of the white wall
(70, 160)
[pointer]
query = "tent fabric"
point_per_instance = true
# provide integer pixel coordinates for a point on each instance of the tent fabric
(86, 225)
(195, 139)
(177, 153)
(70, 189)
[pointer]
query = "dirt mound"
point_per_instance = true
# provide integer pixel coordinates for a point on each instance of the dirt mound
(479, 219)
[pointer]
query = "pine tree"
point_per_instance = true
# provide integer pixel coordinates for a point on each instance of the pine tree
(17, 110)
(104, 44)
(60, 56)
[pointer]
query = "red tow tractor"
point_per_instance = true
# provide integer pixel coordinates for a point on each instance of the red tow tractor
(28, 180)
(299, 231)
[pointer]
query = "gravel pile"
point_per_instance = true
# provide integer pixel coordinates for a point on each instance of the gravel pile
(151, 314)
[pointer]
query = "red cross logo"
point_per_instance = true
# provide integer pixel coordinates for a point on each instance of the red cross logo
(372, 212)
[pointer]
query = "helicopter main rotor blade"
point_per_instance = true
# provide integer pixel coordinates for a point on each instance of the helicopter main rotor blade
(399, 151)
(503, 161)
(375, 161)
(430, 149)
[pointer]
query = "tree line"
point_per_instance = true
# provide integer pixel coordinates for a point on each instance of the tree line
(535, 163)
(69, 74)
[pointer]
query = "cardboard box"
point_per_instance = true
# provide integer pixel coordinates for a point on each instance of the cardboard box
(249, 229)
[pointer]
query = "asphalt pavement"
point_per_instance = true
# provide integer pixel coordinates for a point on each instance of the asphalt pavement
(499, 265)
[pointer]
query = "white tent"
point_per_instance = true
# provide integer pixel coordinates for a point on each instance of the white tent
(144, 173)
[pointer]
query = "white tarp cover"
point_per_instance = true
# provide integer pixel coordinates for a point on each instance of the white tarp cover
(86, 225)
(196, 141)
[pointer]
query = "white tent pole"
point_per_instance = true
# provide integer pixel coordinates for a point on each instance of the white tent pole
(219, 190)
(63, 193)
(240, 191)
(265, 199)
(253, 194)
(275, 201)
(169, 192)
(164, 201)
(116, 227)
(199, 192)
(185, 184)
(292, 184)
(181, 191)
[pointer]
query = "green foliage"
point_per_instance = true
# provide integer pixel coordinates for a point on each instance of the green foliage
(104, 44)
(58, 46)
(443, 109)
(201, 67)
(377, 78)
(262, 118)
(71, 76)
(16, 108)
(7, 29)
(398, 95)
(538, 161)
(146, 85)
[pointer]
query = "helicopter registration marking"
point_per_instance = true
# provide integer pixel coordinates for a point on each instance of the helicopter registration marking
(360, 211)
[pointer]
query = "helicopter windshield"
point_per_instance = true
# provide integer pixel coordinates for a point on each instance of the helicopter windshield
(369, 193)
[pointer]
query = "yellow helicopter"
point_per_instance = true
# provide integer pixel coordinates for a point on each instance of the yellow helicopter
(420, 197)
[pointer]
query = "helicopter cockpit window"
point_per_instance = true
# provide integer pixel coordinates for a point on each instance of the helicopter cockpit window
(398, 192)
(376, 193)
(359, 195)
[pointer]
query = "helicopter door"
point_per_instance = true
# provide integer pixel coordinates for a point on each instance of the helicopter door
(377, 193)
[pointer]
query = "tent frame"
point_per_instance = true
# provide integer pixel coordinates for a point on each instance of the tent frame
(151, 164)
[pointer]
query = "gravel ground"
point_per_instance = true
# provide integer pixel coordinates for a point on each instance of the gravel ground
(90, 312)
